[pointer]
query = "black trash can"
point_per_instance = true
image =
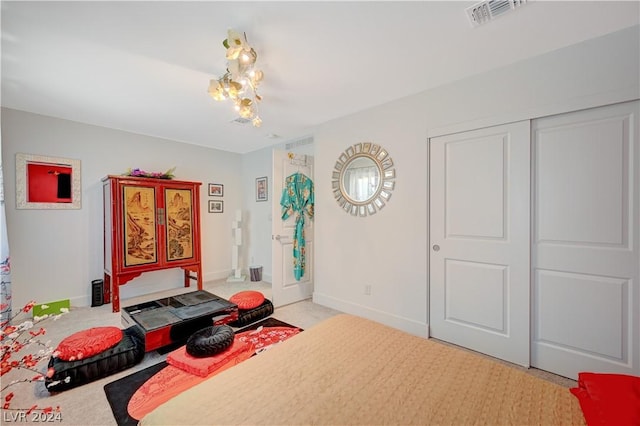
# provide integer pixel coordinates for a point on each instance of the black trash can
(255, 273)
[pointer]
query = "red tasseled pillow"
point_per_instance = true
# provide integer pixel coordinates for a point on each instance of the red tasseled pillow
(86, 343)
(248, 299)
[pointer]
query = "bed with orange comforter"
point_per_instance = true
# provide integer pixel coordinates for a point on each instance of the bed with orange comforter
(349, 370)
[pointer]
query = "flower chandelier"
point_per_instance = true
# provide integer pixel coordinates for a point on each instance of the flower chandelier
(240, 82)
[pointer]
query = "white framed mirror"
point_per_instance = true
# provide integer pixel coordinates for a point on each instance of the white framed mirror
(363, 178)
(47, 182)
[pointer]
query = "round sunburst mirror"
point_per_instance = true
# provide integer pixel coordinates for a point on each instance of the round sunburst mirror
(363, 179)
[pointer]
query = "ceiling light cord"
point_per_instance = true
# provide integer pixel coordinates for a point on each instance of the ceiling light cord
(240, 82)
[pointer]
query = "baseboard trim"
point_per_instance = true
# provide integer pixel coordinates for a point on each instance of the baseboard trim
(219, 275)
(416, 328)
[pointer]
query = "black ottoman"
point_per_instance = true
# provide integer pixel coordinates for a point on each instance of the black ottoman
(69, 374)
(249, 316)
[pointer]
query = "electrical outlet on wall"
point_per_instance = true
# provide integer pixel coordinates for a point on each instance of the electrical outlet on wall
(367, 290)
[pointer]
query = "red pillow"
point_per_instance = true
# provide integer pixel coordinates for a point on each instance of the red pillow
(248, 299)
(236, 353)
(88, 343)
(609, 399)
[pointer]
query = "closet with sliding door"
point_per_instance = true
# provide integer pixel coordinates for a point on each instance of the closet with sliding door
(534, 230)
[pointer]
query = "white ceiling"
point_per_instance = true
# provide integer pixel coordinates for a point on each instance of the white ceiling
(145, 66)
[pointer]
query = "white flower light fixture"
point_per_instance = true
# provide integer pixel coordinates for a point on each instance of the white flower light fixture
(240, 82)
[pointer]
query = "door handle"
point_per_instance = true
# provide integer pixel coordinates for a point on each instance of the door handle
(436, 247)
(281, 237)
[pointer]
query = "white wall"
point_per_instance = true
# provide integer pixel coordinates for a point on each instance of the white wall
(56, 253)
(389, 250)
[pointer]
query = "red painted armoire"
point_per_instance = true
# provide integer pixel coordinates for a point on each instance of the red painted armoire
(149, 224)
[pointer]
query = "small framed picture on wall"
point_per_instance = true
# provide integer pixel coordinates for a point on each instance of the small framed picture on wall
(216, 206)
(216, 190)
(261, 189)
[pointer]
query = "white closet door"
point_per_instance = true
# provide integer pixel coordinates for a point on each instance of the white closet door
(586, 295)
(479, 237)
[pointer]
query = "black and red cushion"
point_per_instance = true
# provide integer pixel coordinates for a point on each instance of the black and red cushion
(63, 375)
(87, 343)
(249, 316)
(247, 299)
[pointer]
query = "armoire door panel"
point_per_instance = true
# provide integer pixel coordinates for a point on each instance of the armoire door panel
(179, 223)
(141, 242)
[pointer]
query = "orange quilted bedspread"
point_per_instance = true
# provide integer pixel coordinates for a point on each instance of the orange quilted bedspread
(349, 370)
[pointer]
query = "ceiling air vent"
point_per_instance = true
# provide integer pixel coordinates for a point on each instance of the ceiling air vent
(241, 120)
(304, 141)
(485, 11)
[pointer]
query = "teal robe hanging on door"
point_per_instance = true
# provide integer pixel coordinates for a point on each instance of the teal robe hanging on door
(297, 197)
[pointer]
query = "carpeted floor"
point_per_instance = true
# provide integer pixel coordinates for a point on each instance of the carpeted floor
(119, 392)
